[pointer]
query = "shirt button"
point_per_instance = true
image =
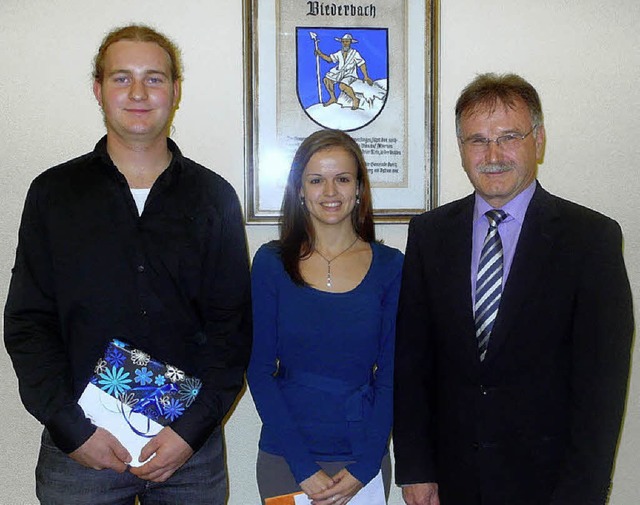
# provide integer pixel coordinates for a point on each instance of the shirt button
(483, 390)
(143, 312)
(140, 268)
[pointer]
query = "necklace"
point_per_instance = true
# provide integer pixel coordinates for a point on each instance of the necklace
(329, 261)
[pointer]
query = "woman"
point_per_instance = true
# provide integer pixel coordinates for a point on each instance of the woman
(324, 300)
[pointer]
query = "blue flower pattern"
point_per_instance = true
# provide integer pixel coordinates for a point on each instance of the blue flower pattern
(158, 391)
(173, 410)
(115, 357)
(151, 412)
(143, 376)
(115, 381)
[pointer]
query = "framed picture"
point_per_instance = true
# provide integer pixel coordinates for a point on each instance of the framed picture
(366, 67)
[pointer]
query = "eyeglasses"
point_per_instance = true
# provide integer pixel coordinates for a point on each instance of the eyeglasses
(508, 141)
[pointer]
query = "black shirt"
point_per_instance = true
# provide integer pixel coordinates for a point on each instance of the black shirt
(173, 282)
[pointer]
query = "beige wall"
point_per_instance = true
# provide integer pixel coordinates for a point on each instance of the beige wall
(582, 55)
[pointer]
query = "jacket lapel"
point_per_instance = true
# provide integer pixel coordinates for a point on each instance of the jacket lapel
(527, 270)
(456, 274)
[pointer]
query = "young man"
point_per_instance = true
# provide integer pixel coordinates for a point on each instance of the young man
(514, 327)
(136, 242)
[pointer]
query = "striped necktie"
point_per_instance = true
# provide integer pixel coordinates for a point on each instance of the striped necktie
(489, 283)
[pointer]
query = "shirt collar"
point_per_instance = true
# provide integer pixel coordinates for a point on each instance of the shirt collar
(100, 151)
(516, 208)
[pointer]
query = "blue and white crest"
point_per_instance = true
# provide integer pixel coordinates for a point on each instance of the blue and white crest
(342, 75)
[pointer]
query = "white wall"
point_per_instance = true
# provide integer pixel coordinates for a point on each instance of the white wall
(582, 55)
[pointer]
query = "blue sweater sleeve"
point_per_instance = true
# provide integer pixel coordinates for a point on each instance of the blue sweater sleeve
(264, 387)
(379, 426)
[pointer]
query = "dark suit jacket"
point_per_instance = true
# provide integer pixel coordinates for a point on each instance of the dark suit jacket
(537, 422)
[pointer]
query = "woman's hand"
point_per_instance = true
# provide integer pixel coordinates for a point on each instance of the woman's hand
(346, 486)
(317, 483)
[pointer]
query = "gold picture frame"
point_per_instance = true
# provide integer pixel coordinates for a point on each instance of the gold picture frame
(384, 54)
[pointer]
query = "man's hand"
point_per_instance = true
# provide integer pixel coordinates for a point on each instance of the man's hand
(102, 450)
(421, 494)
(171, 452)
(317, 483)
(346, 486)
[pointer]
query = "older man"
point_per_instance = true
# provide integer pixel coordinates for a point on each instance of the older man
(514, 327)
(137, 242)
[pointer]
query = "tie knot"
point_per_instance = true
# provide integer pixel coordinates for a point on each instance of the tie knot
(495, 217)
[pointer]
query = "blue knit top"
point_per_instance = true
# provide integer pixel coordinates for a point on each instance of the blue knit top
(321, 370)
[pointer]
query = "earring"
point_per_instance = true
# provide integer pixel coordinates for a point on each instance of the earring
(302, 201)
(357, 199)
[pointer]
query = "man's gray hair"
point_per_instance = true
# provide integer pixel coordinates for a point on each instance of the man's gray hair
(489, 90)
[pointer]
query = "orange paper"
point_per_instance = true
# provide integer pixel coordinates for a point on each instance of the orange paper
(285, 499)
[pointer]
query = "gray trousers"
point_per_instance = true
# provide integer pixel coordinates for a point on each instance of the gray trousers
(275, 477)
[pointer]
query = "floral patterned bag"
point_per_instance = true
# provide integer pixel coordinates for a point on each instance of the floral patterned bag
(134, 396)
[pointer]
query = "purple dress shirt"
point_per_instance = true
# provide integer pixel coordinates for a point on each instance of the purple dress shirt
(509, 231)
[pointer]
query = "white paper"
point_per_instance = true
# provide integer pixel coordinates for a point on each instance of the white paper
(106, 412)
(371, 494)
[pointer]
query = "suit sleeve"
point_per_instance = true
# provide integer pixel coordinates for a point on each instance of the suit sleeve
(264, 386)
(33, 335)
(601, 339)
(413, 402)
(225, 341)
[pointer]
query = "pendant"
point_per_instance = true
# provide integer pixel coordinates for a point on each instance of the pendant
(333, 259)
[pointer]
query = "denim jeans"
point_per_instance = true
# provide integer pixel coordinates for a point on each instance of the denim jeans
(202, 480)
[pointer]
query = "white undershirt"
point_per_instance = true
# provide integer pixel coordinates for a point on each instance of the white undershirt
(140, 196)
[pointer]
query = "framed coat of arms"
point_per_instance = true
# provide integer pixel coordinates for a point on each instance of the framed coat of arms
(365, 67)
